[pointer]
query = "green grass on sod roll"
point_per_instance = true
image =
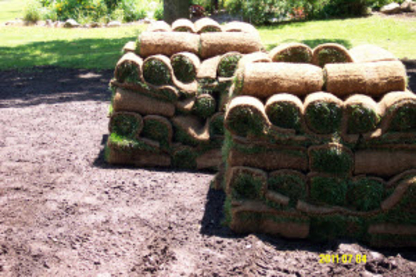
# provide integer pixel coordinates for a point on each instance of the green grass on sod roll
(284, 115)
(331, 160)
(324, 117)
(204, 107)
(125, 125)
(246, 186)
(289, 185)
(330, 55)
(216, 126)
(184, 69)
(243, 122)
(294, 55)
(361, 119)
(156, 130)
(184, 158)
(228, 65)
(328, 190)
(128, 73)
(129, 144)
(365, 194)
(404, 119)
(156, 73)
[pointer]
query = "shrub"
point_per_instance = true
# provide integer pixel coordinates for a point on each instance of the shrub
(32, 11)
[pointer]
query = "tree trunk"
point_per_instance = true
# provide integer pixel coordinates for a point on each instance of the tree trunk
(175, 9)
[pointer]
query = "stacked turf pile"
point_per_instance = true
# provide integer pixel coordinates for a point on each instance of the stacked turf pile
(322, 144)
(169, 93)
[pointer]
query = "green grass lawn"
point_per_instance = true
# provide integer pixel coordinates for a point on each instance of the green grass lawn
(23, 47)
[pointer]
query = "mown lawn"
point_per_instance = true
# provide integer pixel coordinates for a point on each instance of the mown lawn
(23, 47)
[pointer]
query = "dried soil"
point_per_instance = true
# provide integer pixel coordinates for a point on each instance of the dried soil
(65, 212)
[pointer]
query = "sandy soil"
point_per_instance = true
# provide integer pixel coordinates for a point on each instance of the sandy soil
(64, 212)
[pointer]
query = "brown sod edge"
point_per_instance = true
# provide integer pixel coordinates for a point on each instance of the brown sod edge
(164, 93)
(256, 57)
(370, 53)
(167, 43)
(207, 25)
(183, 25)
(265, 79)
(384, 162)
(208, 68)
(330, 53)
(159, 26)
(192, 126)
(129, 47)
(291, 52)
(124, 72)
(130, 101)
(271, 159)
(138, 158)
(213, 44)
(237, 26)
(210, 159)
(373, 79)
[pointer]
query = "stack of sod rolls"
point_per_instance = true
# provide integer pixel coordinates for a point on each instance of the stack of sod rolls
(169, 92)
(321, 144)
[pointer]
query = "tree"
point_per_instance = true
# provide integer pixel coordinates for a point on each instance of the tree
(175, 9)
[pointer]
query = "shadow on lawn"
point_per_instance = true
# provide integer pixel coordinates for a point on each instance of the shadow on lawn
(24, 83)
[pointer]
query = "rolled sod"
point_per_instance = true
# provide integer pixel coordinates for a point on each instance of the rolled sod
(386, 162)
(373, 79)
(216, 125)
(399, 112)
(265, 79)
(237, 26)
(159, 26)
(157, 70)
(205, 106)
(210, 159)
(323, 113)
(330, 53)
(246, 183)
(208, 69)
(129, 69)
(190, 130)
(371, 53)
(246, 115)
(332, 158)
(361, 114)
(219, 43)
(129, 47)
(256, 57)
(140, 158)
(365, 194)
(157, 128)
(292, 53)
(285, 111)
(167, 43)
(183, 25)
(205, 25)
(290, 183)
(185, 66)
(228, 64)
(126, 124)
(185, 106)
(130, 101)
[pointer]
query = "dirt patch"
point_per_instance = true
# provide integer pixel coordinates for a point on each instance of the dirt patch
(65, 212)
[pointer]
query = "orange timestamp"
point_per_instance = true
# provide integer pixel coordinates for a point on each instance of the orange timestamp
(344, 258)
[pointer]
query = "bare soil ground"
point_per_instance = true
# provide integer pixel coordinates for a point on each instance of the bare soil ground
(65, 212)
